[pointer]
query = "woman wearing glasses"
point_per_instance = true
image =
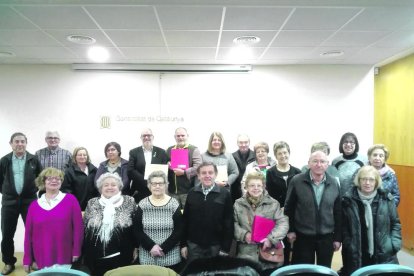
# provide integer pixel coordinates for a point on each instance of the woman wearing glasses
(159, 225)
(53, 229)
(371, 226)
(115, 164)
(109, 225)
(349, 161)
(257, 201)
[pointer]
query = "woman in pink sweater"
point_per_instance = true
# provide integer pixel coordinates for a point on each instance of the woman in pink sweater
(54, 227)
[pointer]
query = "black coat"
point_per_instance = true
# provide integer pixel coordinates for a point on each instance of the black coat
(235, 188)
(7, 188)
(79, 184)
(136, 170)
(387, 231)
(277, 186)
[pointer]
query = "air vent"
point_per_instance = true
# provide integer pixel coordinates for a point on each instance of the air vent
(246, 40)
(81, 39)
(7, 54)
(334, 53)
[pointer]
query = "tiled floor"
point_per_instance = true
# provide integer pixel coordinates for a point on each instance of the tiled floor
(404, 257)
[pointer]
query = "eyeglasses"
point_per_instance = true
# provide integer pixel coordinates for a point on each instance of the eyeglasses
(322, 162)
(53, 178)
(367, 179)
(111, 149)
(352, 143)
(146, 135)
(155, 184)
(252, 186)
(52, 138)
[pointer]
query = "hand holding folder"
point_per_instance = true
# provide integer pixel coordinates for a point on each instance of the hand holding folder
(261, 227)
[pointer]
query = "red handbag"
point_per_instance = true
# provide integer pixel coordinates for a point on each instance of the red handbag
(271, 255)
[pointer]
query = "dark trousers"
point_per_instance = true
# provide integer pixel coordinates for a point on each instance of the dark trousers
(197, 252)
(305, 248)
(9, 218)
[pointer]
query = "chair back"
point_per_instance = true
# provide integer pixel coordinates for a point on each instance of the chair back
(58, 271)
(384, 270)
(304, 270)
(142, 270)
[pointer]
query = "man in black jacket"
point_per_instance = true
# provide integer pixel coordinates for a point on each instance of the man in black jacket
(138, 158)
(313, 205)
(243, 156)
(18, 171)
(208, 217)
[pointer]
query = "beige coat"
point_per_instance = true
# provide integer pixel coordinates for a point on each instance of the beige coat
(243, 218)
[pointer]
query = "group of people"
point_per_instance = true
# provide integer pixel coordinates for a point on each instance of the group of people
(119, 213)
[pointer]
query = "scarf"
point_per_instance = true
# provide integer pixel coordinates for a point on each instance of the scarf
(254, 202)
(109, 205)
(367, 200)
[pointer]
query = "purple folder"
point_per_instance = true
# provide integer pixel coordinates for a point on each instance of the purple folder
(179, 159)
(261, 228)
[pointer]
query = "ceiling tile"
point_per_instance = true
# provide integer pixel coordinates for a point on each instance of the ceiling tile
(300, 38)
(400, 39)
(58, 17)
(61, 36)
(128, 38)
(25, 38)
(320, 18)
(9, 19)
(227, 54)
(82, 52)
(287, 52)
(43, 52)
(125, 17)
(354, 38)
(145, 53)
(193, 53)
(255, 18)
(190, 18)
(192, 38)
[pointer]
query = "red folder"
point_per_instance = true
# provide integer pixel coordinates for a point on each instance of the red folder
(179, 159)
(261, 227)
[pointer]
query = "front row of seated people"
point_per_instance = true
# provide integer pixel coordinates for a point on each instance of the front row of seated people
(114, 227)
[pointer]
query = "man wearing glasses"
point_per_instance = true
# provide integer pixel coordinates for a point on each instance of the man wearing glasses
(138, 158)
(53, 155)
(18, 171)
(313, 205)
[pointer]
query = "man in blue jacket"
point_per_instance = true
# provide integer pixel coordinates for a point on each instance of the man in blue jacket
(18, 171)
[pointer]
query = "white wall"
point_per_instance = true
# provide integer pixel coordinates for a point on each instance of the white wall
(300, 104)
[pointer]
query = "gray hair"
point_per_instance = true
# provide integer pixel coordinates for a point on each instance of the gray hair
(103, 177)
(157, 174)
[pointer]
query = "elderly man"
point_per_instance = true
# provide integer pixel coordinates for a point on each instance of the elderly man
(53, 155)
(208, 217)
(243, 156)
(181, 180)
(138, 158)
(313, 205)
(18, 171)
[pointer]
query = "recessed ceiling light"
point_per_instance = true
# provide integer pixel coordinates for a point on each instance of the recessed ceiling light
(334, 53)
(246, 40)
(7, 54)
(81, 39)
(98, 54)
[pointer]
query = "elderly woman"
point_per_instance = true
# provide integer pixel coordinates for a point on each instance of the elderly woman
(159, 225)
(278, 179)
(371, 226)
(80, 177)
(349, 161)
(109, 223)
(216, 153)
(256, 201)
(378, 155)
(262, 162)
(115, 164)
(54, 229)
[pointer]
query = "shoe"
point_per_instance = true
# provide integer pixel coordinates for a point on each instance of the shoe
(7, 269)
(34, 267)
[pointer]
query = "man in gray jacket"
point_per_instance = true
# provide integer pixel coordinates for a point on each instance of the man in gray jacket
(313, 205)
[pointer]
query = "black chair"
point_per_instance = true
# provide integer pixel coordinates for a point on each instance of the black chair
(384, 270)
(304, 270)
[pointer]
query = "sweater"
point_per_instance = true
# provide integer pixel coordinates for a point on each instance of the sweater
(54, 236)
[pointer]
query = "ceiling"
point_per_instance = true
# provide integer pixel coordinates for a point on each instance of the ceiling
(202, 31)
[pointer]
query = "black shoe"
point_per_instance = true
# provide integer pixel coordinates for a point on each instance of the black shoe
(7, 269)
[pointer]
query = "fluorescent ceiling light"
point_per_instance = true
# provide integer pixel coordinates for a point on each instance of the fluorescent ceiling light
(164, 67)
(98, 54)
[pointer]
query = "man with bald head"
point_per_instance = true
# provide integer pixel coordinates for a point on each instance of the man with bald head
(138, 158)
(243, 156)
(313, 205)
